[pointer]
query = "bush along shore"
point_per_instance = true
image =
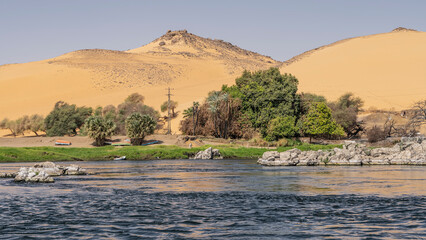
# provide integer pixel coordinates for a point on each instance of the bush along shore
(411, 152)
(41, 154)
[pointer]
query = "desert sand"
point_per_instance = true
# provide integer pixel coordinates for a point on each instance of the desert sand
(191, 65)
(386, 70)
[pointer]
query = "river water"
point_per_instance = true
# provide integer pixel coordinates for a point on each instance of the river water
(217, 199)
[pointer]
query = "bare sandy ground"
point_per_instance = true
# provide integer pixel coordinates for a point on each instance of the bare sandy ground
(77, 141)
(192, 66)
(386, 70)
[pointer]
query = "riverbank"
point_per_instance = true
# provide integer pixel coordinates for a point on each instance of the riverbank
(37, 154)
(408, 152)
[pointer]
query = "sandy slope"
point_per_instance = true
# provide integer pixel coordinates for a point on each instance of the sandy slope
(386, 70)
(191, 65)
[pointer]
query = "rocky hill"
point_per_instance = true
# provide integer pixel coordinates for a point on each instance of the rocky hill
(190, 64)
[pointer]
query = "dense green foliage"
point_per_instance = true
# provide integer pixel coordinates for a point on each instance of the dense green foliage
(99, 129)
(266, 95)
(219, 116)
(65, 119)
(267, 102)
(281, 127)
(319, 122)
(32, 154)
(132, 104)
(345, 111)
(34, 123)
(138, 126)
(307, 99)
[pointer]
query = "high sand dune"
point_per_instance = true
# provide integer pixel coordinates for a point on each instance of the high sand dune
(192, 66)
(386, 70)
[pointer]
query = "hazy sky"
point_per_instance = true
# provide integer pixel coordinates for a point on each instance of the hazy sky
(35, 30)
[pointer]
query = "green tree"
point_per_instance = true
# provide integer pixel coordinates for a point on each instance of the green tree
(36, 124)
(9, 124)
(266, 95)
(138, 126)
(319, 122)
(281, 127)
(110, 112)
(99, 129)
(3, 123)
(135, 98)
(307, 99)
(173, 106)
(132, 104)
(65, 119)
(345, 111)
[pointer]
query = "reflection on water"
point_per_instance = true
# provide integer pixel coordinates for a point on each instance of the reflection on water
(217, 199)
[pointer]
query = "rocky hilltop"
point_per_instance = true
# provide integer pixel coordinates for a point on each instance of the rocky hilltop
(352, 153)
(190, 64)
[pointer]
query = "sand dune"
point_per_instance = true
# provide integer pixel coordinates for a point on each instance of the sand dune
(191, 65)
(386, 70)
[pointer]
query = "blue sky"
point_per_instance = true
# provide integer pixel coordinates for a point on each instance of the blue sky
(36, 30)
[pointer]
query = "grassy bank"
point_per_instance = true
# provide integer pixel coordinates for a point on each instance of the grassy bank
(33, 154)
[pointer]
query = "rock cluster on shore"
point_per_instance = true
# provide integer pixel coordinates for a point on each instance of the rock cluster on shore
(43, 172)
(352, 153)
(209, 153)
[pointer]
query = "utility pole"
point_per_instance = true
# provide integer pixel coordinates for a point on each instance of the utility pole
(169, 117)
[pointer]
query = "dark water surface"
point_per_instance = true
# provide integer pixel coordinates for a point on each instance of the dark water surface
(225, 199)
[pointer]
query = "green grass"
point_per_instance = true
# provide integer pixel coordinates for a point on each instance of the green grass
(34, 154)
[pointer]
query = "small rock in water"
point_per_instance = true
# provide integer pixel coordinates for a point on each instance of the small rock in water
(74, 170)
(209, 153)
(33, 175)
(43, 172)
(7, 175)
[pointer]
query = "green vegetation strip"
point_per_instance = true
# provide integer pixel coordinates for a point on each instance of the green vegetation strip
(35, 154)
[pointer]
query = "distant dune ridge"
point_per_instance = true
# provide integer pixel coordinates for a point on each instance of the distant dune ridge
(387, 70)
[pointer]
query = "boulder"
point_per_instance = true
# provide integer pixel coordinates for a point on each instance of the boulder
(43, 172)
(33, 175)
(352, 153)
(209, 153)
(74, 170)
(7, 175)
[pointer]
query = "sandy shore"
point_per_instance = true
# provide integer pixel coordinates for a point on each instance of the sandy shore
(77, 141)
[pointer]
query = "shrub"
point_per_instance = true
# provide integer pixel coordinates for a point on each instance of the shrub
(281, 127)
(65, 119)
(99, 129)
(135, 98)
(282, 143)
(173, 106)
(138, 126)
(318, 122)
(265, 95)
(36, 124)
(345, 111)
(375, 134)
(132, 104)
